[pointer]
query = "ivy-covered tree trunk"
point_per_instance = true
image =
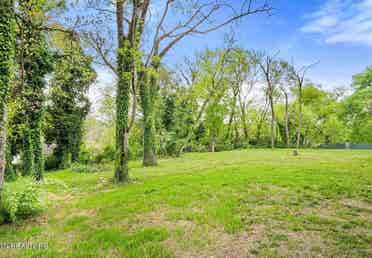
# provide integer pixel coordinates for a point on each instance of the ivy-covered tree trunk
(6, 61)
(27, 154)
(122, 98)
(122, 109)
(148, 91)
(2, 146)
(37, 147)
(76, 143)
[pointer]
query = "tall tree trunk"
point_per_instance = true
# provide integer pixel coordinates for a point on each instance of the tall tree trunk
(122, 98)
(6, 56)
(148, 91)
(27, 154)
(236, 138)
(212, 144)
(37, 147)
(273, 131)
(299, 118)
(244, 121)
(286, 120)
(232, 116)
(2, 146)
(76, 143)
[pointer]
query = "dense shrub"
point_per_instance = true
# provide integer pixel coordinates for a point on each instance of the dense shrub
(20, 200)
(107, 154)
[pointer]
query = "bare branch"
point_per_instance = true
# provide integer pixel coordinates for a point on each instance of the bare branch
(97, 43)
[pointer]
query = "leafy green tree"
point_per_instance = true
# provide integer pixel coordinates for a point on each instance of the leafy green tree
(272, 71)
(68, 103)
(363, 80)
(322, 118)
(358, 113)
(35, 63)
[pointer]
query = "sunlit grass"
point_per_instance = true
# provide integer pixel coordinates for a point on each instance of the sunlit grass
(227, 204)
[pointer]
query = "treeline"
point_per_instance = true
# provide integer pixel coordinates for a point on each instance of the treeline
(229, 98)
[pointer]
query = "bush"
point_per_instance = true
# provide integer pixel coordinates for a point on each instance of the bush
(51, 163)
(107, 154)
(19, 200)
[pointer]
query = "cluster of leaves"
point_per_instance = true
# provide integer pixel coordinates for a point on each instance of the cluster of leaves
(20, 200)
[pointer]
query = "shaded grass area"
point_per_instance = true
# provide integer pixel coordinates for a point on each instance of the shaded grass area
(230, 204)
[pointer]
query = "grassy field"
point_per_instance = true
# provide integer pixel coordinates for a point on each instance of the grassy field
(251, 203)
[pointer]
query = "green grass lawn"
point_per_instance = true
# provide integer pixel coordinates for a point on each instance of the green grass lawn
(250, 203)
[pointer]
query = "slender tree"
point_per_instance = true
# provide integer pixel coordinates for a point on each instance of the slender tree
(298, 76)
(272, 73)
(285, 85)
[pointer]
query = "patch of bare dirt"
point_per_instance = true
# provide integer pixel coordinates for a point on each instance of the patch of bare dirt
(302, 244)
(204, 241)
(357, 204)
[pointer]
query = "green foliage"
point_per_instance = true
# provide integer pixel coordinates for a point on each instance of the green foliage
(363, 80)
(27, 107)
(68, 103)
(20, 200)
(7, 39)
(107, 154)
(358, 116)
(322, 117)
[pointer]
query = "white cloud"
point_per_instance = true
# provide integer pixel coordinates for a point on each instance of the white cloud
(342, 21)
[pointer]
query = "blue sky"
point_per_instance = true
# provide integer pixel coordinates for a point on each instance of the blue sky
(337, 33)
(305, 31)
